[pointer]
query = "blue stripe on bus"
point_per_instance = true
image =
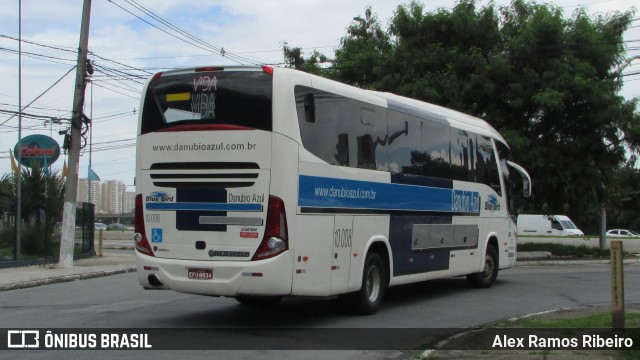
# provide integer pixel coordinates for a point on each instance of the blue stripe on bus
(203, 206)
(322, 192)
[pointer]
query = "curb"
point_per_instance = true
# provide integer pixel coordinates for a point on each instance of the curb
(65, 278)
(571, 262)
(119, 247)
(478, 328)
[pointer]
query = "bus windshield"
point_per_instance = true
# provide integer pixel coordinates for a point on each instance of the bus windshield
(240, 98)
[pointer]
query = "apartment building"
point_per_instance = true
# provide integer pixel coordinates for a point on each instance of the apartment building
(110, 196)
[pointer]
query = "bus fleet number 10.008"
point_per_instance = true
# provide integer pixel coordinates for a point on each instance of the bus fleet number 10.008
(152, 218)
(342, 238)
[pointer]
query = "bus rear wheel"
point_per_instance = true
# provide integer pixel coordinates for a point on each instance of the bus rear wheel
(488, 276)
(369, 298)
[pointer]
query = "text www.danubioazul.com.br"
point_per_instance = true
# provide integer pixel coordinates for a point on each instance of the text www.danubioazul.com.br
(345, 193)
(205, 147)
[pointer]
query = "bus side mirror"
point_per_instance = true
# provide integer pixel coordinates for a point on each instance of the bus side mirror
(526, 179)
(526, 187)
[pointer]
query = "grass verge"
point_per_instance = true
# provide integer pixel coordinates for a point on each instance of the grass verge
(552, 334)
(574, 325)
(567, 251)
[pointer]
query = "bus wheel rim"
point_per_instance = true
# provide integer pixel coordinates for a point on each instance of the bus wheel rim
(488, 267)
(374, 282)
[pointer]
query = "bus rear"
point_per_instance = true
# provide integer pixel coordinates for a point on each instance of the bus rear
(206, 222)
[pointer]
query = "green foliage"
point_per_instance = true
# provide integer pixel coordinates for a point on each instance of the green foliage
(567, 251)
(362, 51)
(547, 81)
(42, 198)
(624, 199)
(33, 241)
(293, 58)
(574, 326)
(593, 321)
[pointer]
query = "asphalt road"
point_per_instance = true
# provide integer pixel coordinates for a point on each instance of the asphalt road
(413, 313)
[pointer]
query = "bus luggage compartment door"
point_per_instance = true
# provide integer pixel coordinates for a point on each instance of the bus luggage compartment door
(341, 253)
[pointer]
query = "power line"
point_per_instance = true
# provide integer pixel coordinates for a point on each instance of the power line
(115, 160)
(119, 63)
(191, 36)
(39, 96)
(37, 107)
(32, 116)
(108, 117)
(38, 56)
(237, 53)
(118, 84)
(164, 31)
(55, 47)
(115, 91)
(118, 75)
(182, 34)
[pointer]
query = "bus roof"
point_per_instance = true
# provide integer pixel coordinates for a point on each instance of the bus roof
(455, 118)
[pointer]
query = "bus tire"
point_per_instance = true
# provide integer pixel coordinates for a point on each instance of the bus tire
(369, 298)
(249, 300)
(487, 277)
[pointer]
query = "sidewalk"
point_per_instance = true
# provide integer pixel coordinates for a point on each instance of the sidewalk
(111, 263)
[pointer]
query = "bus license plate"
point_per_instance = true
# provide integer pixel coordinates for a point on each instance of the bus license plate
(200, 274)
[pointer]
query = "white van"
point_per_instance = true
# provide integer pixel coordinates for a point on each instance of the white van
(547, 225)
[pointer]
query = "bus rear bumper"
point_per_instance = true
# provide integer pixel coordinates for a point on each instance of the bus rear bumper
(265, 277)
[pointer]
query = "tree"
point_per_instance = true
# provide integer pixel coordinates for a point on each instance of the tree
(42, 200)
(360, 60)
(547, 82)
(624, 198)
(293, 58)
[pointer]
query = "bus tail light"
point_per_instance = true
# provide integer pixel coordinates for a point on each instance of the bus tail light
(275, 240)
(140, 236)
(204, 127)
(209, 68)
(267, 69)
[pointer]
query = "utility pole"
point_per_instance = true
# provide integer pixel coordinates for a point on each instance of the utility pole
(18, 224)
(71, 193)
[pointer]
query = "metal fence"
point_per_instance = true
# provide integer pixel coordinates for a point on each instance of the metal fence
(40, 240)
(85, 218)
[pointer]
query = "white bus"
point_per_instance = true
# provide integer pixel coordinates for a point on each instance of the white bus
(262, 182)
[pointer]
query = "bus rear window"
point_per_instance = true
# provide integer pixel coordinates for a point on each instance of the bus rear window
(241, 98)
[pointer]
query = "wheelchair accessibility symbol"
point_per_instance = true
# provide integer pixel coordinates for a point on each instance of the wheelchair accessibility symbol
(156, 235)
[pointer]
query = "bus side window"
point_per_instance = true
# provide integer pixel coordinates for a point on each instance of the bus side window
(487, 166)
(463, 157)
(368, 136)
(323, 128)
(405, 143)
(435, 146)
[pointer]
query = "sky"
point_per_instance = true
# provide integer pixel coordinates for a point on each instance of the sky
(128, 46)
